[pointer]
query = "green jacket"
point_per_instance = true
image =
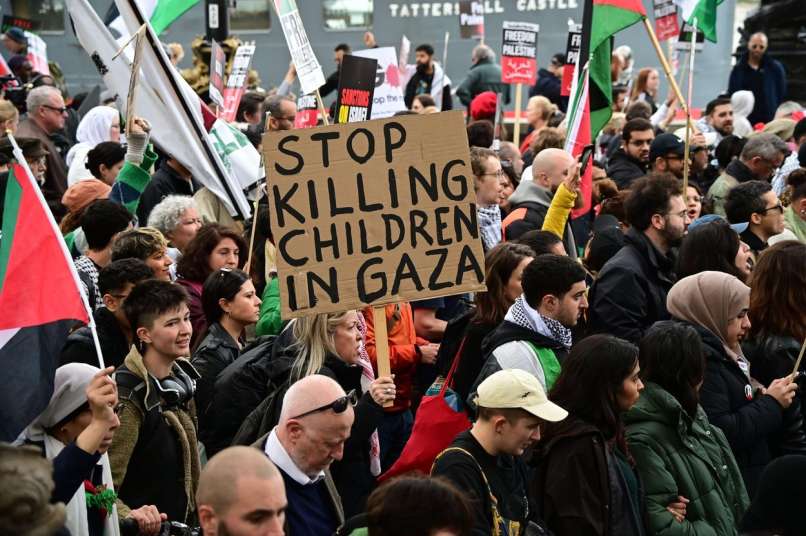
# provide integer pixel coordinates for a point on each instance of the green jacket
(483, 76)
(677, 456)
(270, 322)
(131, 181)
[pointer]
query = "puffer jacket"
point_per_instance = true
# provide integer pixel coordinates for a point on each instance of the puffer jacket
(678, 455)
(215, 353)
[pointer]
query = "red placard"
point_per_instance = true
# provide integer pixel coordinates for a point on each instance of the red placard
(519, 53)
(307, 113)
(236, 81)
(667, 27)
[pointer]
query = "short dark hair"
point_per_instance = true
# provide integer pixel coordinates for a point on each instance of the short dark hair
(729, 148)
(499, 263)
(222, 283)
(102, 220)
(648, 196)
(150, 299)
(744, 200)
(480, 133)
(539, 241)
(671, 355)
(344, 47)
(709, 247)
(194, 264)
(638, 109)
(107, 153)
(719, 101)
(425, 47)
(618, 89)
(550, 275)
(425, 99)
(639, 124)
(414, 504)
(251, 103)
(800, 129)
(118, 274)
(797, 183)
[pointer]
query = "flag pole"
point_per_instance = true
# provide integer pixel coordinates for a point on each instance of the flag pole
(664, 63)
(322, 108)
(67, 257)
(687, 151)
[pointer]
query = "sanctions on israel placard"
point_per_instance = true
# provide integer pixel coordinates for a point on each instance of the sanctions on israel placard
(373, 213)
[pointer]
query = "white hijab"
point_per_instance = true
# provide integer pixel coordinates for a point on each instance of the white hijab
(93, 129)
(742, 102)
(69, 394)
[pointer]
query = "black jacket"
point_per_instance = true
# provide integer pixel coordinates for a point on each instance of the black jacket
(80, 348)
(748, 419)
(164, 182)
(630, 293)
(579, 485)
(624, 169)
(215, 353)
(418, 81)
(239, 389)
(549, 86)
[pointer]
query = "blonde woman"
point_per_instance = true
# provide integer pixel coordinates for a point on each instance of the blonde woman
(332, 344)
(538, 112)
(9, 118)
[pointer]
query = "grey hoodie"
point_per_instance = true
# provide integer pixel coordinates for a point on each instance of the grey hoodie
(530, 193)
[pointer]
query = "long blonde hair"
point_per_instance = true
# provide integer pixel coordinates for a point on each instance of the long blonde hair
(313, 341)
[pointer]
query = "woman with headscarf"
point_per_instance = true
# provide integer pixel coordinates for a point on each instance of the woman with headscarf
(100, 124)
(742, 103)
(74, 432)
(716, 305)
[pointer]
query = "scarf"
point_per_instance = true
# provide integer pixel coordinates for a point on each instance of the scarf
(795, 223)
(522, 314)
(69, 394)
(710, 300)
(490, 225)
(367, 377)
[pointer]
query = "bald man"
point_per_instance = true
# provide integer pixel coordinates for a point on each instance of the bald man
(315, 422)
(531, 201)
(241, 493)
(756, 71)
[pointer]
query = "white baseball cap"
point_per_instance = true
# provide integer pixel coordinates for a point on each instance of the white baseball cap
(517, 389)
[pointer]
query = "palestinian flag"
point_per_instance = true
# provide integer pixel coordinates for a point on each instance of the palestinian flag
(609, 17)
(40, 300)
(705, 13)
(161, 14)
(579, 135)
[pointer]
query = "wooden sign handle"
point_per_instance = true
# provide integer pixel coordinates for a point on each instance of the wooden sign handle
(517, 130)
(381, 344)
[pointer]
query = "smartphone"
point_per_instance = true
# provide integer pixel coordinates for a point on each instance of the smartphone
(587, 153)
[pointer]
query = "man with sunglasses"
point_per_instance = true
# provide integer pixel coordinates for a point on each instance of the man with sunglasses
(755, 204)
(666, 154)
(756, 71)
(46, 117)
(315, 422)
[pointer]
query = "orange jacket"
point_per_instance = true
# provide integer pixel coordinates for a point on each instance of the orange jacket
(403, 354)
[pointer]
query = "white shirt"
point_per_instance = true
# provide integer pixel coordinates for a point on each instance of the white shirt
(279, 456)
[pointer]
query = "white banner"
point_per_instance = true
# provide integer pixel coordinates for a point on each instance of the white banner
(37, 53)
(388, 97)
(309, 71)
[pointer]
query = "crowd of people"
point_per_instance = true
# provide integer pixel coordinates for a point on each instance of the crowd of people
(628, 371)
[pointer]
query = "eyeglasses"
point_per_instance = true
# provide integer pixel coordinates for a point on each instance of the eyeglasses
(681, 214)
(338, 406)
(499, 173)
(61, 110)
(778, 207)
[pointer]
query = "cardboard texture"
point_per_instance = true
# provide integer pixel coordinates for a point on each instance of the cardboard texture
(519, 53)
(373, 213)
(356, 88)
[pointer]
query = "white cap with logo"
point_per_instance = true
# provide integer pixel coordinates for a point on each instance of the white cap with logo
(517, 389)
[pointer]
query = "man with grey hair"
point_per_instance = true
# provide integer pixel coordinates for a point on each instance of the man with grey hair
(762, 155)
(315, 422)
(241, 493)
(756, 71)
(46, 116)
(484, 75)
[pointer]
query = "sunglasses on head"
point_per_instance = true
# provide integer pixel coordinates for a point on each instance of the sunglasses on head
(338, 406)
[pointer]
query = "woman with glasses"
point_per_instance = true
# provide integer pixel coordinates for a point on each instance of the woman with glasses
(230, 304)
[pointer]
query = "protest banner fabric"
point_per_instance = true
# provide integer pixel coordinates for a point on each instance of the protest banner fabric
(388, 97)
(374, 213)
(471, 19)
(218, 61)
(309, 72)
(519, 53)
(356, 88)
(572, 48)
(37, 53)
(705, 13)
(666, 26)
(307, 112)
(236, 81)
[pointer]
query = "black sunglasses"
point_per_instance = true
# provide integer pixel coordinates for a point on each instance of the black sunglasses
(338, 406)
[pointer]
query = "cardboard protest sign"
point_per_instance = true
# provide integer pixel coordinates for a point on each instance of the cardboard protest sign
(519, 53)
(572, 48)
(374, 213)
(217, 62)
(666, 25)
(471, 19)
(307, 112)
(236, 81)
(684, 41)
(356, 88)
(309, 72)
(388, 97)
